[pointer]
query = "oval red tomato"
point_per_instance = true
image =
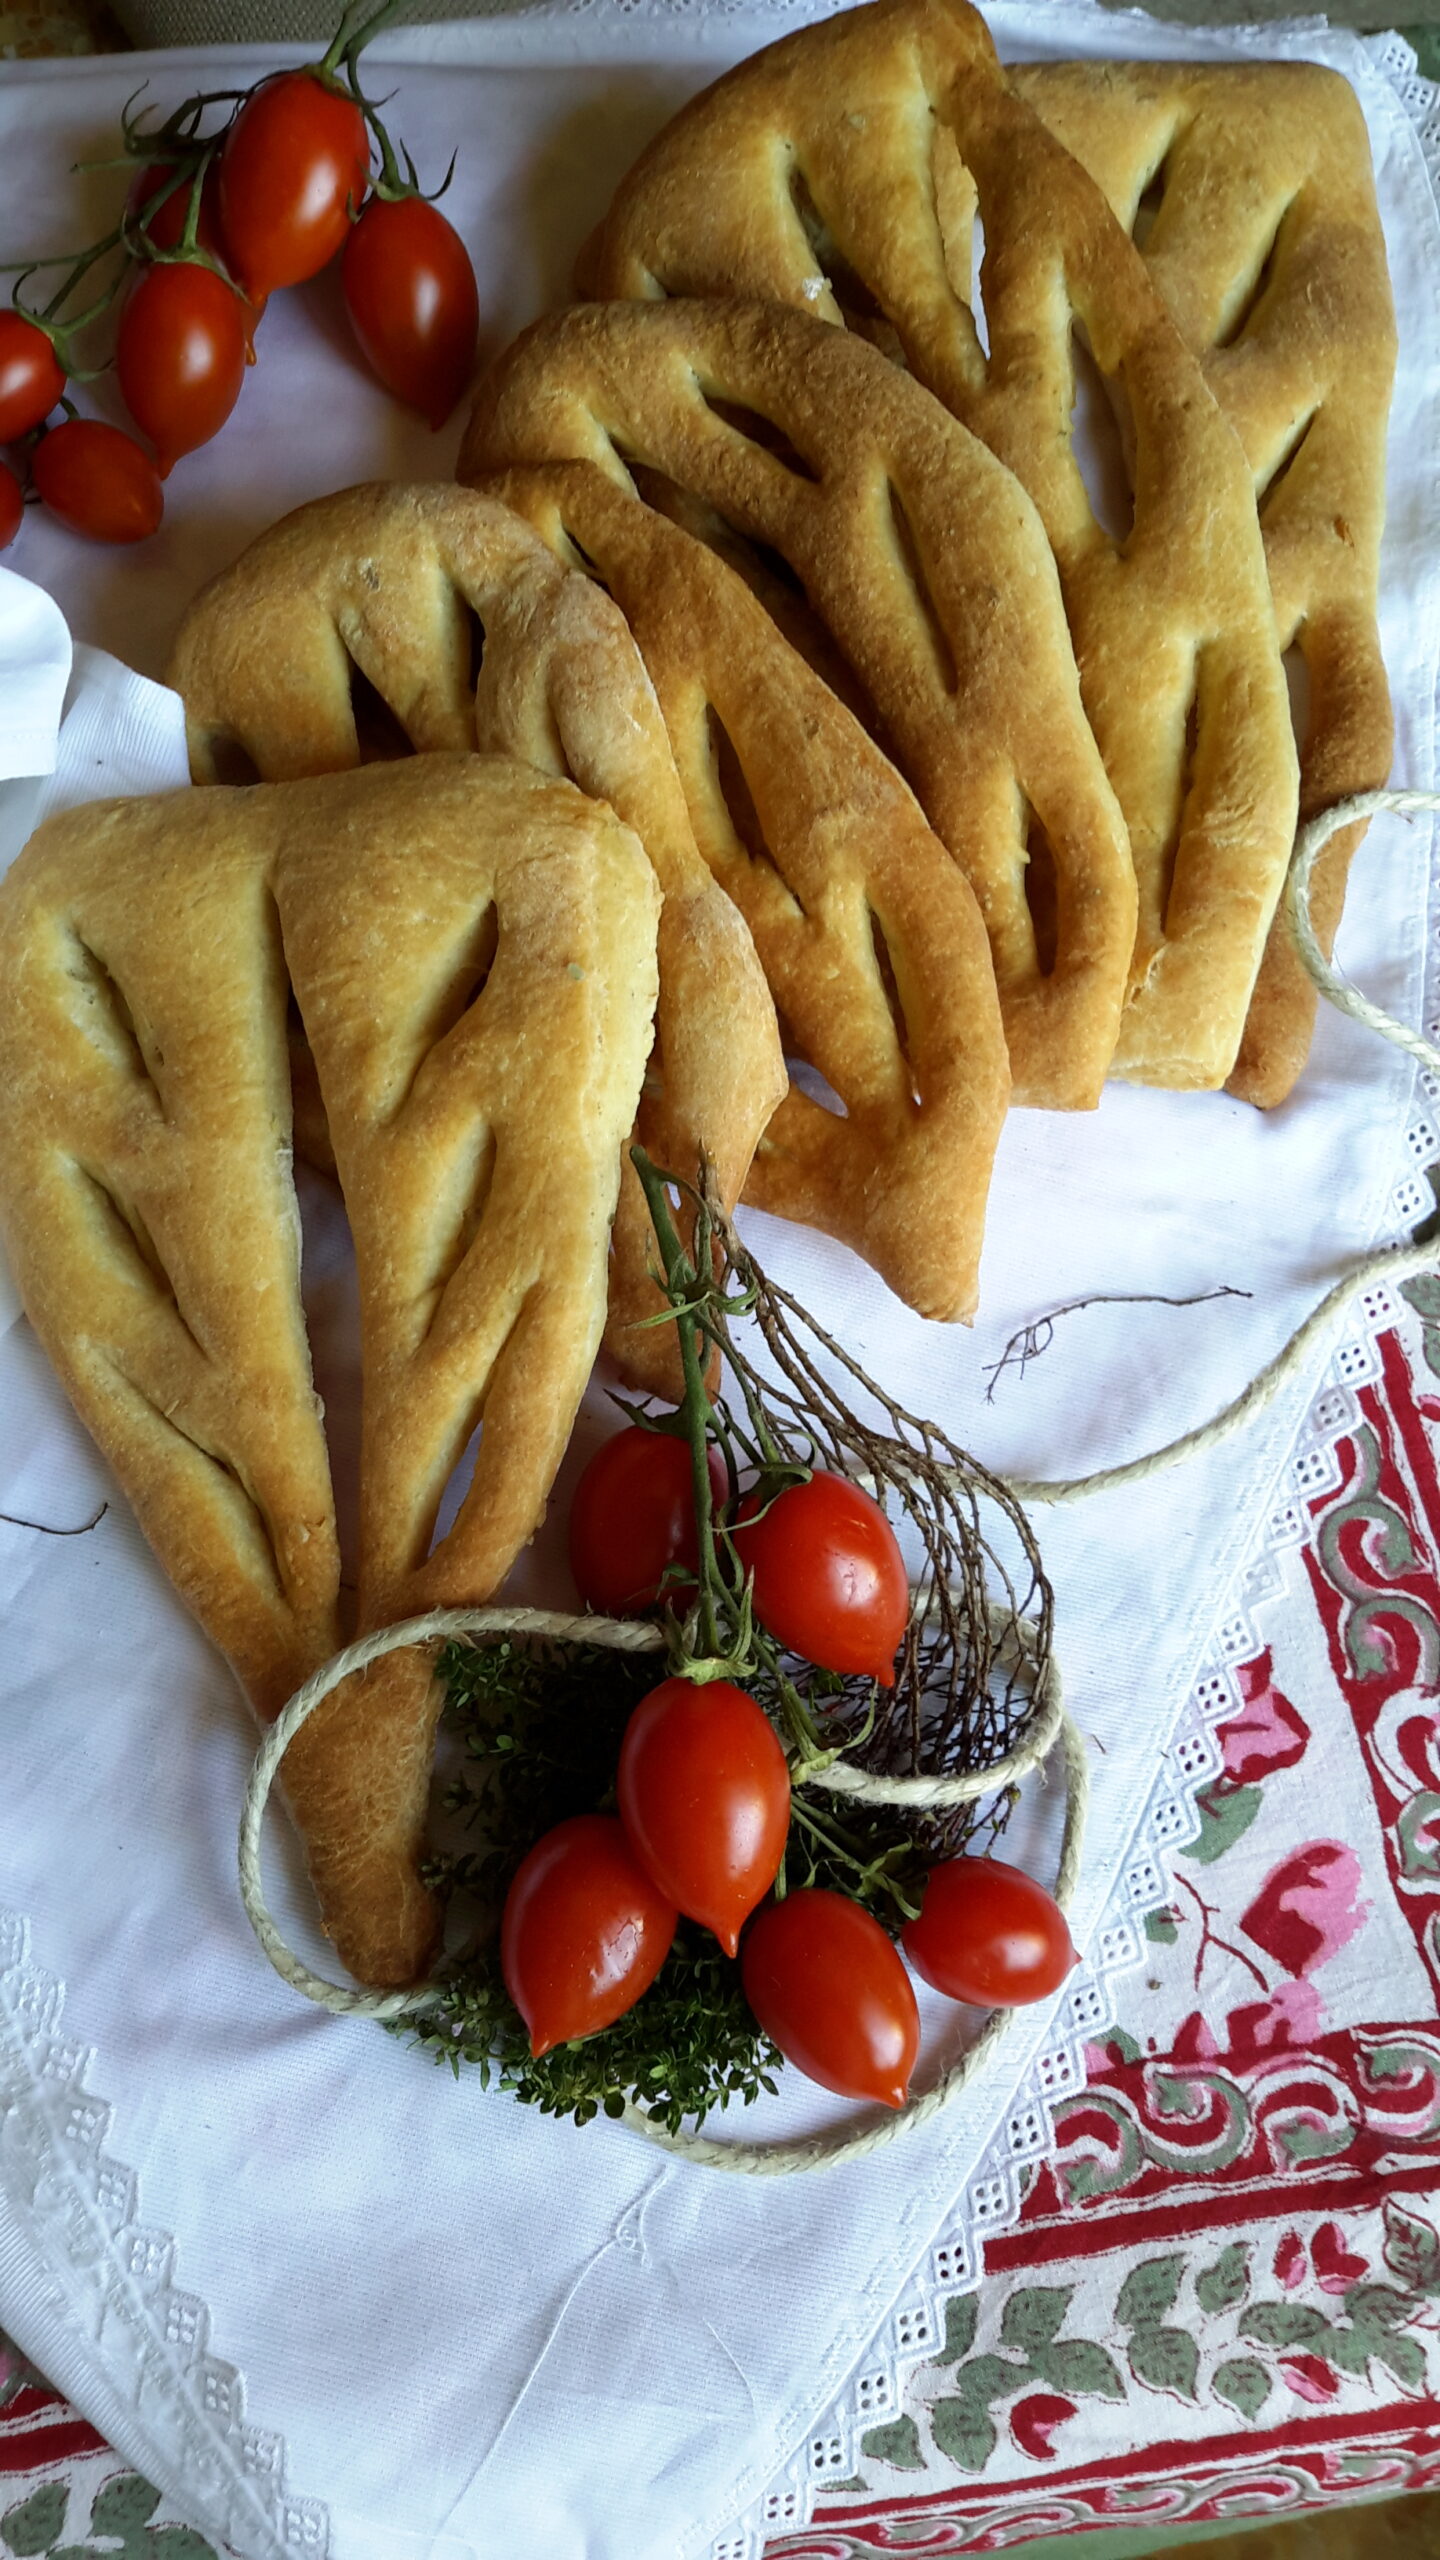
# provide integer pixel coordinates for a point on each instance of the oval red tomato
(988, 1933)
(830, 1580)
(632, 1516)
(32, 377)
(410, 291)
(12, 506)
(180, 357)
(98, 481)
(704, 1793)
(294, 169)
(827, 1986)
(166, 226)
(584, 1931)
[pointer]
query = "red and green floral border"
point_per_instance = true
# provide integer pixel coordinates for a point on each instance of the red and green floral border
(1222, 2299)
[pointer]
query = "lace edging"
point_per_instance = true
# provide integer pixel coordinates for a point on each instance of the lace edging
(117, 2278)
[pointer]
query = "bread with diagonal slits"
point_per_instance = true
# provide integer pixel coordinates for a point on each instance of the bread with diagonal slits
(853, 170)
(1249, 190)
(911, 567)
(472, 950)
(871, 940)
(465, 631)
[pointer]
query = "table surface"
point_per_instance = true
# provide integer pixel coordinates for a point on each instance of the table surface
(1223, 2295)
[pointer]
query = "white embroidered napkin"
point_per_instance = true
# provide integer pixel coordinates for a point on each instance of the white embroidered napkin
(476, 2331)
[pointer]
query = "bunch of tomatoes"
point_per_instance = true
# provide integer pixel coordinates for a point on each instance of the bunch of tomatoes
(213, 224)
(703, 1801)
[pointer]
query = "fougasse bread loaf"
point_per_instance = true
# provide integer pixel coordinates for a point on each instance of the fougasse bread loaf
(1248, 189)
(878, 171)
(472, 950)
(389, 619)
(911, 568)
(870, 937)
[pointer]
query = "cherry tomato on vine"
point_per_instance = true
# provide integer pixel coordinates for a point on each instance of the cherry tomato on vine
(32, 377)
(180, 357)
(632, 1515)
(166, 226)
(830, 1580)
(12, 506)
(828, 1987)
(410, 291)
(294, 168)
(988, 1933)
(98, 481)
(584, 1931)
(704, 1792)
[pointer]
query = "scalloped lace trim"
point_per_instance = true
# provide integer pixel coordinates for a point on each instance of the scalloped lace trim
(81, 2208)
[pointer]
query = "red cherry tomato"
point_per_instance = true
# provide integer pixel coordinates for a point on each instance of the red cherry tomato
(633, 1514)
(12, 506)
(294, 167)
(180, 357)
(98, 481)
(704, 1794)
(830, 1580)
(828, 1987)
(584, 1931)
(989, 1934)
(166, 226)
(410, 291)
(31, 376)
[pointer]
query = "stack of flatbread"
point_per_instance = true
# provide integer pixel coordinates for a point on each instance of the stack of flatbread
(788, 748)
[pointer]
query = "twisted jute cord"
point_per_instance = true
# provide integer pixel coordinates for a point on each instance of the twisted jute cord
(1048, 1721)
(1389, 1263)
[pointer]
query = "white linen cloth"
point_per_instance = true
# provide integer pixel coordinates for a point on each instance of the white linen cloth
(477, 2331)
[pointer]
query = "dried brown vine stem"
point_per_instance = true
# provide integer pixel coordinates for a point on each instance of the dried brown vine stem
(48, 1528)
(1030, 1341)
(967, 1672)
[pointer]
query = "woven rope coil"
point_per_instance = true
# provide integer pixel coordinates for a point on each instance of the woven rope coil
(1048, 1722)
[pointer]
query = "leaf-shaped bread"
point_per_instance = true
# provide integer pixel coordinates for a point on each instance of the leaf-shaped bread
(148, 1210)
(815, 465)
(878, 171)
(386, 619)
(1249, 191)
(472, 949)
(870, 937)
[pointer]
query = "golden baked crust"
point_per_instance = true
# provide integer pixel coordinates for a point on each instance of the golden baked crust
(148, 1211)
(870, 938)
(466, 632)
(1250, 193)
(472, 948)
(808, 458)
(845, 171)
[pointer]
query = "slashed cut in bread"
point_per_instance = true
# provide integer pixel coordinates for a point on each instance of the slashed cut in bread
(871, 940)
(911, 568)
(472, 951)
(878, 171)
(1249, 191)
(388, 619)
